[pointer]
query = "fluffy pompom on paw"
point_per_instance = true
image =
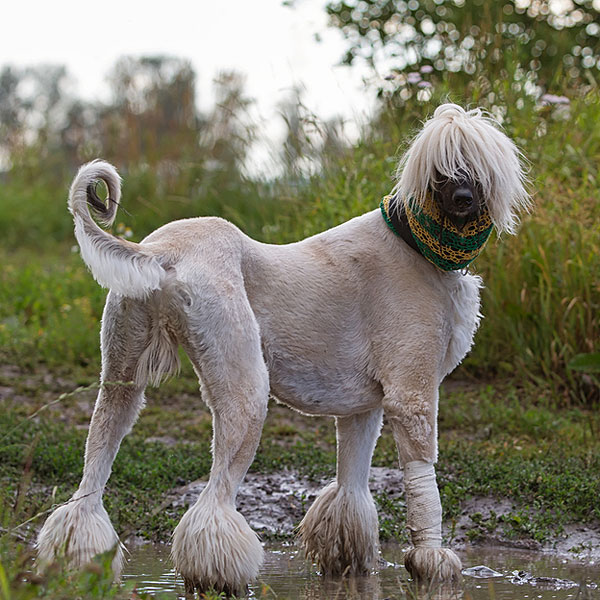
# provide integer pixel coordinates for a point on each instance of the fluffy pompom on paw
(340, 531)
(214, 547)
(433, 565)
(78, 531)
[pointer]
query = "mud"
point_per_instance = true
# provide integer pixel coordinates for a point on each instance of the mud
(274, 504)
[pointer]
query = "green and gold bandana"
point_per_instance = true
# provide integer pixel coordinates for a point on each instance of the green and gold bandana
(438, 239)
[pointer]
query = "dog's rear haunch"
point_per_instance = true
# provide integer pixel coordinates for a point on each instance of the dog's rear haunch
(363, 319)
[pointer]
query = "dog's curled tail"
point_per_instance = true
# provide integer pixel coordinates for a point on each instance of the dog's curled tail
(122, 266)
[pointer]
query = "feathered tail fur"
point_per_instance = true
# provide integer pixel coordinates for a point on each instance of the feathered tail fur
(122, 266)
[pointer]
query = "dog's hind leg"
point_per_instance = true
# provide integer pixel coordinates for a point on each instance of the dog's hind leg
(81, 528)
(412, 414)
(340, 530)
(213, 545)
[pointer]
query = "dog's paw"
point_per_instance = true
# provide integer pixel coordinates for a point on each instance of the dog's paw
(433, 565)
(340, 531)
(214, 547)
(76, 532)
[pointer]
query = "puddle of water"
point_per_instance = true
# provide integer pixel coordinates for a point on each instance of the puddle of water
(287, 575)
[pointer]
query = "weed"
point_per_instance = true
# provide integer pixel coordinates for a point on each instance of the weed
(392, 518)
(482, 526)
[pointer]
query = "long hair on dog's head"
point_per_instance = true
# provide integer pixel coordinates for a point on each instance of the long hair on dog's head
(455, 141)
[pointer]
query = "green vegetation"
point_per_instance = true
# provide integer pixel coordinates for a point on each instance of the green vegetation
(542, 297)
(495, 442)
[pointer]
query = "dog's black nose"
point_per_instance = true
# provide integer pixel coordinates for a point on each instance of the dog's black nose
(463, 198)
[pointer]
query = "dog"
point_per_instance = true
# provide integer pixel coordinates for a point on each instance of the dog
(364, 319)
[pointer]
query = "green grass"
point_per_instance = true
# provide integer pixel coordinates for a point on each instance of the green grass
(498, 442)
(50, 310)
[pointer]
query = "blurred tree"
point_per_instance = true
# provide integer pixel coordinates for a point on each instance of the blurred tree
(11, 125)
(78, 135)
(297, 143)
(334, 141)
(228, 131)
(309, 141)
(46, 100)
(547, 42)
(151, 120)
(153, 114)
(33, 103)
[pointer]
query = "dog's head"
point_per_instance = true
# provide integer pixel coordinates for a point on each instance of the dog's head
(467, 163)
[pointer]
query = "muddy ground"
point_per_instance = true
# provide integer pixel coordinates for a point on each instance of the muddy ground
(275, 503)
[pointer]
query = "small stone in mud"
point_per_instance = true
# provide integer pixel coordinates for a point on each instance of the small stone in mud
(481, 571)
(547, 583)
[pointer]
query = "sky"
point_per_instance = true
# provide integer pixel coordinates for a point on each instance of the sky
(273, 45)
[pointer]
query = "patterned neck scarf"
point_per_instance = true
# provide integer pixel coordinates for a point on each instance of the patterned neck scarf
(438, 239)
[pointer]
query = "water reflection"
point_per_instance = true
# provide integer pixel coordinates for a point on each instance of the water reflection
(287, 575)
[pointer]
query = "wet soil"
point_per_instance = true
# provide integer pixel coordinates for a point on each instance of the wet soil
(274, 503)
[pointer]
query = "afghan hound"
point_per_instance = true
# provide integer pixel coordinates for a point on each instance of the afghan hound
(364, 319)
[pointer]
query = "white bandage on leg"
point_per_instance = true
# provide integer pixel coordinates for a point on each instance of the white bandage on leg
(423, 506)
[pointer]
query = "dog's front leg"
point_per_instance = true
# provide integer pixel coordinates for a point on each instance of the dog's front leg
(340, 530)
(413, 415)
